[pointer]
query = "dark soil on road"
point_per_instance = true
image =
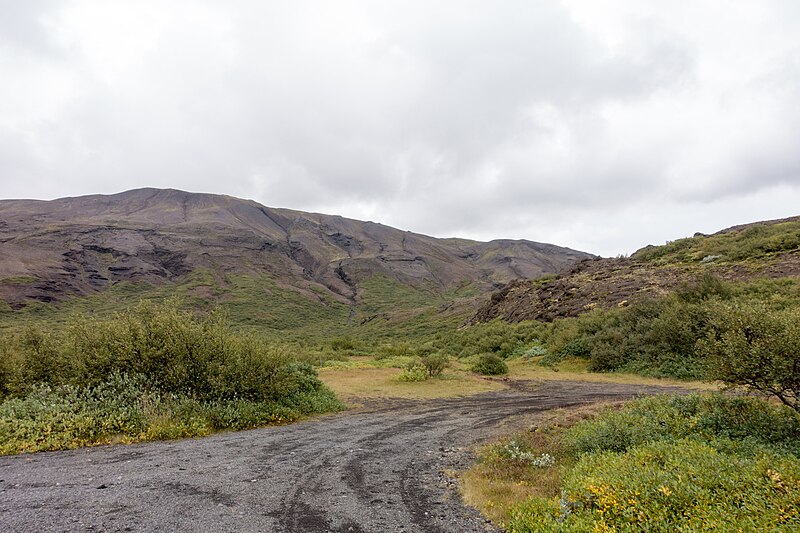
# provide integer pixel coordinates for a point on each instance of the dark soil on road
(383, 468)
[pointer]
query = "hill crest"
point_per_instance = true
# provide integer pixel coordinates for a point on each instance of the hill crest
(80, 245)
(769, 249)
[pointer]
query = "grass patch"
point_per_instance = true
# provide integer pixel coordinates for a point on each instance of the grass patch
(352, 385)
(576, 369)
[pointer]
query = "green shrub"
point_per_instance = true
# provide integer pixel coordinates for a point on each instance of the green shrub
(414, 372)
(576, 347)
(66, 417)
(396, 361)
(705, 288)
(389, 350)
(175, 351)
(539, 515)
(498, 337)
(434, 363)
(7, 366)
(126, 409)
(656, 337)
(343, 344)
(489, 365)
(685, 484)
(152, 371)
(537, 350)
(757, 347)
(39, 361)
(701, 416)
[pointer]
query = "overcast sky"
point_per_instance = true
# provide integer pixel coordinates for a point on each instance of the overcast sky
(599, 125)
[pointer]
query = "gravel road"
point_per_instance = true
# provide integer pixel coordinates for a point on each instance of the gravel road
(378, 469)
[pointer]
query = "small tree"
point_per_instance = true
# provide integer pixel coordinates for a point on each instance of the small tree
(756, 347)
(435, 363)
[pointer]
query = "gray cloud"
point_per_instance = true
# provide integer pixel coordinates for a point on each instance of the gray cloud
(556, 121)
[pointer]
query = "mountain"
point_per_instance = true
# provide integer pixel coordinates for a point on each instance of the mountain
(768, 249)
(50, 250)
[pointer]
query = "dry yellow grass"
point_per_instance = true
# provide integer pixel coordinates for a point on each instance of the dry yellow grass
(352, 384)
(576, 370)
(359, 378)
(491, 492)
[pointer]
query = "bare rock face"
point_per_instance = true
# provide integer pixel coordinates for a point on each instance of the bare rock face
(75, 246)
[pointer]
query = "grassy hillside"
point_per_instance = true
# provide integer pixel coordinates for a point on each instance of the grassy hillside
(767, 250)
(743, 243)
(260, 304)
(644, 314)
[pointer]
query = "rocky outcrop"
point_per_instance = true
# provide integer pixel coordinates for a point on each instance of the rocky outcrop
(608, 283)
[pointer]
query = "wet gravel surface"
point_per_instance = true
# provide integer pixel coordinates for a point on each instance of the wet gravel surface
(379, 469)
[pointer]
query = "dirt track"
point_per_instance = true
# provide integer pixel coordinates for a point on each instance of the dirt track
(374, 470)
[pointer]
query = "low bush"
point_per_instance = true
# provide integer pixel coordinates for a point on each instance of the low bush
(489, 365)
(516, 452)
(656, 337)
(52, 418)
(576, 347)
(496, 337)
(174, 351)
(153, 371)
(125, 409)
(679, 463)
(414, 371)
(389, 350)
(401, 361)
(740, 419)
(684, 485)
(343, 344)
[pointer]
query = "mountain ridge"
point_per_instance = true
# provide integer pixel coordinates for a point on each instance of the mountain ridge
(51, 249)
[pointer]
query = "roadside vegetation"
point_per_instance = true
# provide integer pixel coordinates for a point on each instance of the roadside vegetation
(670, 463)
(183, 374)
(151, 372)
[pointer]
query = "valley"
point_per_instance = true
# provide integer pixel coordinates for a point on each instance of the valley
(373, 379)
